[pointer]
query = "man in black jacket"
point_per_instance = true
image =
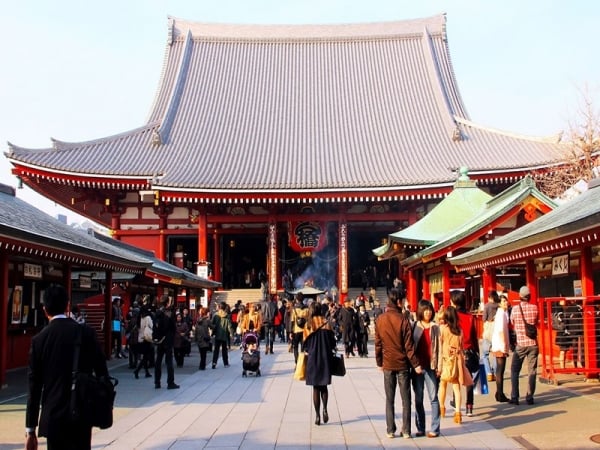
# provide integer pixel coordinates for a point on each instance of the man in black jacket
(268, 311)
(49, 374)
(164, 325)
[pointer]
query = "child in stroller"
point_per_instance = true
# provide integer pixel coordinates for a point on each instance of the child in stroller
(250, 354)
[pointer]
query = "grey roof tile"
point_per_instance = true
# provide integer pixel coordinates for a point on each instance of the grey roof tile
(27, 225)
(243, 108)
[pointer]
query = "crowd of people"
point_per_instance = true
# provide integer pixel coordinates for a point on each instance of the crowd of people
(432, 351)
(420, 357)
(422, 351)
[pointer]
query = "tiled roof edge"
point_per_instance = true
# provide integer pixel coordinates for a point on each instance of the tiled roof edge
(553, 139)
(180, 27)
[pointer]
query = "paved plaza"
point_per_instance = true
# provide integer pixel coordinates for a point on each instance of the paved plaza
(218, 409)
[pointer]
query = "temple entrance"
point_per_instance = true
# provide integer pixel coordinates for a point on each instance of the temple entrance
(364, 268)
(244, 260)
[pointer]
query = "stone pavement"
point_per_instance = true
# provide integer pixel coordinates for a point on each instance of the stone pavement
(220, 409)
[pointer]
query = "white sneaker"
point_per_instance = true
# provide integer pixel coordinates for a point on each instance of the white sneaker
(391, 435)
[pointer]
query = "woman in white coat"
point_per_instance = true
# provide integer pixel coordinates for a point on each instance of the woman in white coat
(500, 346)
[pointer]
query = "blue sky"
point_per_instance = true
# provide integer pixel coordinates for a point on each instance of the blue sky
(77, 70)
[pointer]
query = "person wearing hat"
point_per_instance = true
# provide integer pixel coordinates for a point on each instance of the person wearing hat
(526, 348)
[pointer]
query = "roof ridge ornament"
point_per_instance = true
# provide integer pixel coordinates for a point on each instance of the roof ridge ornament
(170, 31)
(156, 139)
(457, 134)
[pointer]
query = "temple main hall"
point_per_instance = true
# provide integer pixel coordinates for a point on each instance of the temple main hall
(283, 154)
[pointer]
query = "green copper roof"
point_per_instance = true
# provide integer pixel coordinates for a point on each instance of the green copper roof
(492, 210)
(577, 215)
(458, 208)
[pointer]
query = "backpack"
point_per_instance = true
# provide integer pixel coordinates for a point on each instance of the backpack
(558, 322)
(300, 321)
(159, 328)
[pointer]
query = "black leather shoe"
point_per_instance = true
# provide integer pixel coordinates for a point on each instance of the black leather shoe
(325, 416)
(529, 401)
(513, 401)
(502, 398)
(173, 386)
(157, 386)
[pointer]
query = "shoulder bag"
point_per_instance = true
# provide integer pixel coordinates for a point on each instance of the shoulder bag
(530, 329)
(92, 397)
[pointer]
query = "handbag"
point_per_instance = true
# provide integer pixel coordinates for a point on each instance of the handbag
(148, 333)
(530, 329)
(300, 372)
(488, 330)
(471, 360)
(92, 397)
(337, 365)
(450, 367)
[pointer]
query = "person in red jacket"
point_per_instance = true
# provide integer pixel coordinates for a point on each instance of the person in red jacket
(395, 355)
(470, 344)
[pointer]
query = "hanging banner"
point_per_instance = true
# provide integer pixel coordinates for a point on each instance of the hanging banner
(272, 258)
(307, 236)
(343, 257)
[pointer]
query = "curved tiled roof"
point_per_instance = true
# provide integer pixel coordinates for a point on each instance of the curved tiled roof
(577, 216)
(26, 227)
(261, 108)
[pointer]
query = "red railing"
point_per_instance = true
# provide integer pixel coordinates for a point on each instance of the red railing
(582, 342)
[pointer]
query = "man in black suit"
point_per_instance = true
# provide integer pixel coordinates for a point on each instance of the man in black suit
(49, 374)
(165, 322)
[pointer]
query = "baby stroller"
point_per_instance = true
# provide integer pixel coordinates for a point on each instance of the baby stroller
(250, 354)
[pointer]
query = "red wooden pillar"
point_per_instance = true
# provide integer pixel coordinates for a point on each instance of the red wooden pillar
(446, 282)
(488, 278)
(217, 255)
(531, 281)
(589, 322)
(272, 259)
(115, 221)
(412, 286)
(343, 259)
(3, 317)
(161, 246)
(202, 237)
(587, 280)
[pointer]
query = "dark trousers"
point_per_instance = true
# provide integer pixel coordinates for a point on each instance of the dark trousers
(500, 367)
(117, 347)
(143, 351)
(519, 355)
(203, 351)
(402, 379)
(167, 352)
(179, 354)
(269, 336)
(78, 438)
(362, 344)
(224, 351)
(296, 343)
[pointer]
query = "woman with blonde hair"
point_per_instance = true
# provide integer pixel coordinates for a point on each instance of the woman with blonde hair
(252, 314)
(452, 363)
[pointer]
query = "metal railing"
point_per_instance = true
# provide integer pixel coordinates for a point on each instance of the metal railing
(569, 342)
